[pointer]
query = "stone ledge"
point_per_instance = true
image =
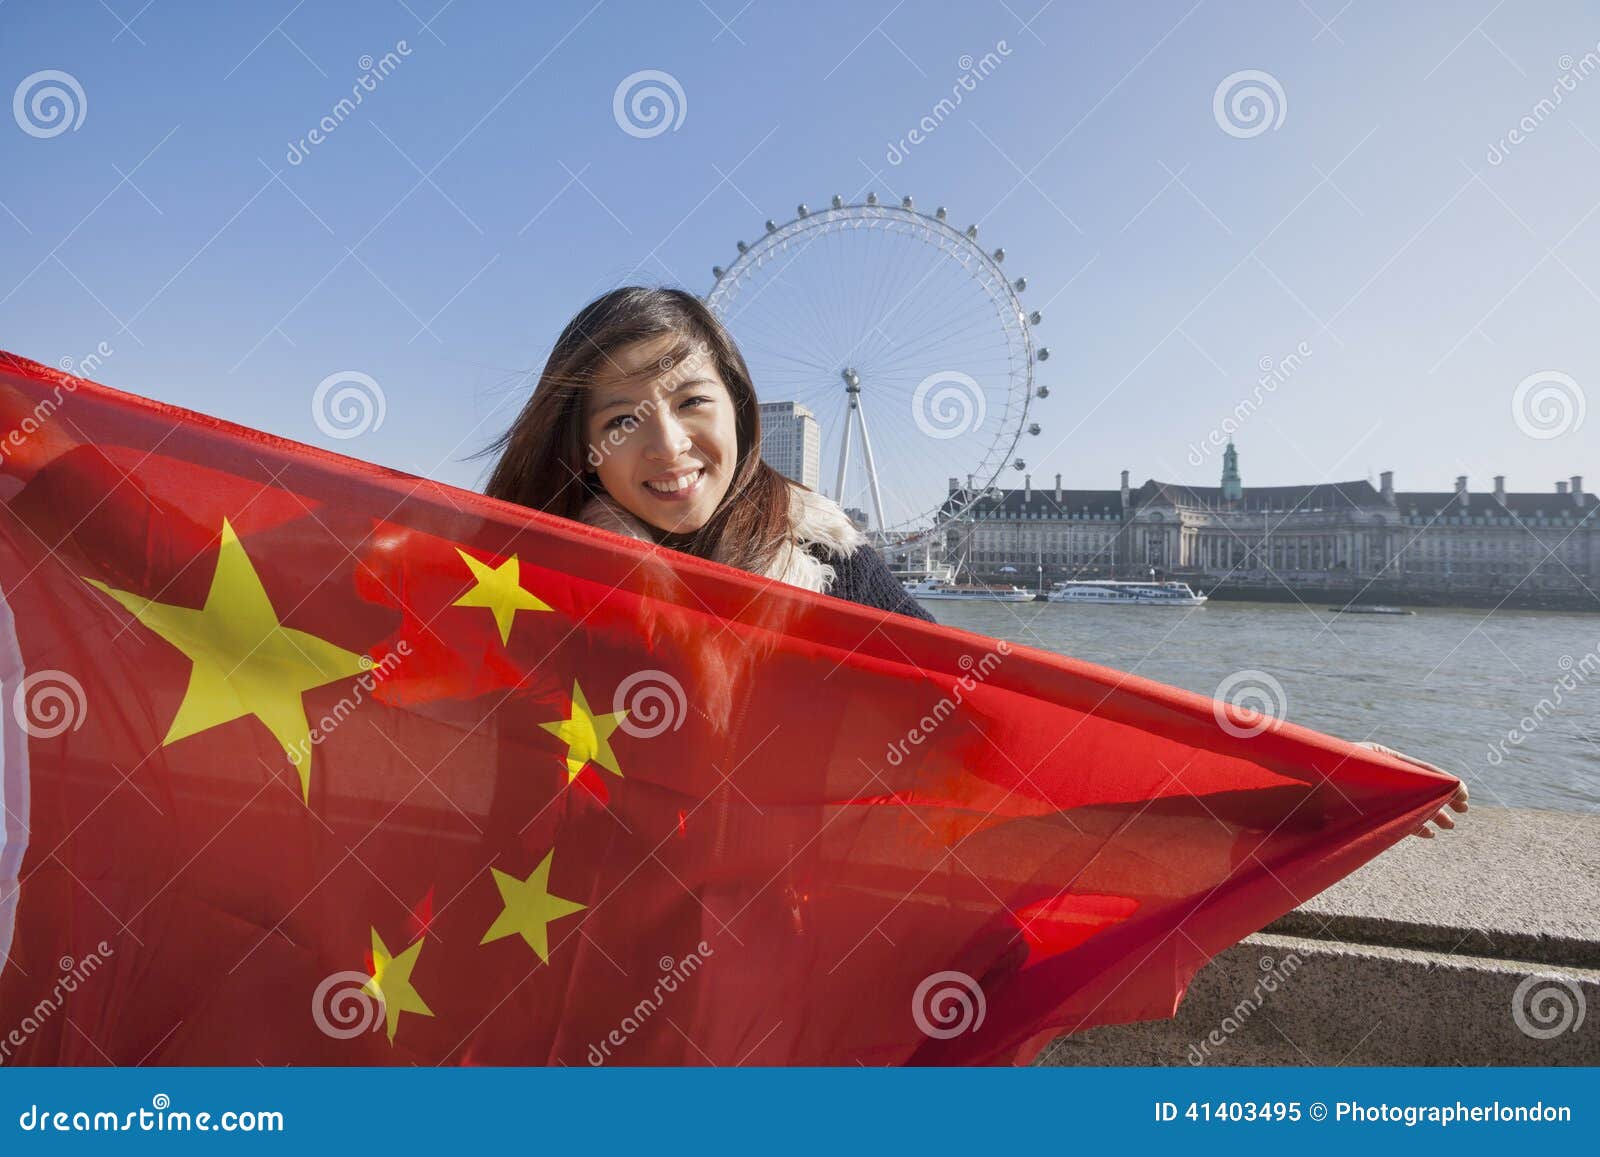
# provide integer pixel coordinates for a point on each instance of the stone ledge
(1415, 959)
(1350, 1005)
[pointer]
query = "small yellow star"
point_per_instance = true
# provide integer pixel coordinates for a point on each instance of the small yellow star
(391, 982)
(246, 662)
(587, 735)
(499, 588)
(529, 907)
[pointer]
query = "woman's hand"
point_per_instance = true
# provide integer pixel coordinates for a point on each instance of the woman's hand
(1442, 818)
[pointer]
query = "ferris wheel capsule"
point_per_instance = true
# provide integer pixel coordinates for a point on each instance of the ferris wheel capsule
(941, 212)
(716, 271)
(872, 198)
(972, 232)
(743, 247)
(838, 201)
(1020, 284)
(801, 211)
(999, 255)
(1035, 317)
(906, 202)
(772, 226)
(1044, 353)
(1019, 464)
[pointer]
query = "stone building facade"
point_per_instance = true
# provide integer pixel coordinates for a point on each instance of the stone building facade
(1334, 533)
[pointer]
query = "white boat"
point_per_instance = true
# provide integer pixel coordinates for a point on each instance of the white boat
(934, 588)
(1168, 594)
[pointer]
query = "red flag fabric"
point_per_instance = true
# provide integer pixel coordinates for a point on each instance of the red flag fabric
(309, 761)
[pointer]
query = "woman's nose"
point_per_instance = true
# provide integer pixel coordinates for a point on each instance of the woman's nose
(666, 439)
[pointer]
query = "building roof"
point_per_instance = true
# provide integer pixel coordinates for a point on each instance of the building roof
(1042, 502)
(1523, 505)
(1323, 496)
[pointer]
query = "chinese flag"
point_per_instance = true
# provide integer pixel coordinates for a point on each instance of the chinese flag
(308, 761)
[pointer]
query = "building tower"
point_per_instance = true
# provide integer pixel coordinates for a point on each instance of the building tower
(1232, 489)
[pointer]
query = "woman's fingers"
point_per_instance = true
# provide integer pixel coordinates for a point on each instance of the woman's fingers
(1424, 832)
(1459, 800)
(1444, 821)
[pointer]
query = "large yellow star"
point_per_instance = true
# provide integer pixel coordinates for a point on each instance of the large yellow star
(529, 908)
(500, 589)
(246, 662)
(586, 735)
(391, 982)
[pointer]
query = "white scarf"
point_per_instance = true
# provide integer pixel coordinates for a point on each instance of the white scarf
(814, 520)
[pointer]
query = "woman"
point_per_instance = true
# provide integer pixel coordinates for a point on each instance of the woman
(645, 422)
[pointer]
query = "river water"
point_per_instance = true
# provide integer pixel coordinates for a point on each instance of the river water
(1458, 688)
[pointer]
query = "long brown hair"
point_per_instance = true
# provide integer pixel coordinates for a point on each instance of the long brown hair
(543, 460)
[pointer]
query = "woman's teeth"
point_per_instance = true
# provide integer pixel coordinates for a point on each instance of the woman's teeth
(676, 485)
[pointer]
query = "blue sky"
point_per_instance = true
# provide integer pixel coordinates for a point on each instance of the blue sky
(1169, 256)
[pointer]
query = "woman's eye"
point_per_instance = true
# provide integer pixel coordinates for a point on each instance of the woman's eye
(623, 422)
(696, 399)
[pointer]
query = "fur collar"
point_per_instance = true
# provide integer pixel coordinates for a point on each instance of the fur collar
(814, 520)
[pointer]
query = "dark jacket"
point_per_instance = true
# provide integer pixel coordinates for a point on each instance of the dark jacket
(863, 577)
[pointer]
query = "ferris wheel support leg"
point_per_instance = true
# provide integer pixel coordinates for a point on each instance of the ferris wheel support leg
(872, 467)
(844, 455)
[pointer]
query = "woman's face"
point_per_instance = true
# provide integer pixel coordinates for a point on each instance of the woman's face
(664, 444)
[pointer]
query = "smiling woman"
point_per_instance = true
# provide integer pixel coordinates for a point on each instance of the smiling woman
(645, 422)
